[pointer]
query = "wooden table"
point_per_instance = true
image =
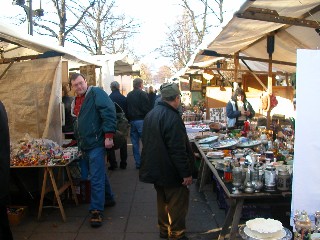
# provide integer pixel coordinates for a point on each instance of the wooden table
(48, 170)
(235, 200)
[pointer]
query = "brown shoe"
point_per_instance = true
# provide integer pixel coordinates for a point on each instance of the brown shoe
(96, 219)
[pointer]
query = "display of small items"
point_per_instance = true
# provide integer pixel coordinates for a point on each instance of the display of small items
(247, 173)
(34, 152)
(304, 227)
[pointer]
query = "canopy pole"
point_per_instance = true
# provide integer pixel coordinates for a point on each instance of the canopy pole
(270, 50)
(236, 65)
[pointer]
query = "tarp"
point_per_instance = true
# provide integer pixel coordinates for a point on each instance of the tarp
(249, 36)
(31, 93)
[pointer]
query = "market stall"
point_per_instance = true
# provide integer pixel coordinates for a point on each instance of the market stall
(32, 74)
(49, 156)
(257, 48)
(235, 199)
(253, 165)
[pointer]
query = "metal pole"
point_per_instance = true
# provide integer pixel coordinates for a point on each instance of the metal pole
(30, 17)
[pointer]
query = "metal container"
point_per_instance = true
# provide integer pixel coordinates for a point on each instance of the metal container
(236, 179)
(270, 178)
(284, 179)
(254, 174)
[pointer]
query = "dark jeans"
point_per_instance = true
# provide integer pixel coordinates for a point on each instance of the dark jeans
(5, 231)
(173, 204)
(111, 155)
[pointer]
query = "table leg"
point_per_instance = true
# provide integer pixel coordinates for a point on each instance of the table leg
(204, 176)
(228, 220)
(74, 194)
(56, 191)
(43, 191)
(202, 163)
(236, 218)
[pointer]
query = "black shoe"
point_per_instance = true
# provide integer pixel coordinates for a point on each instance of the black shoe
(96, 219)
(109, 203)
(180, 238)
(123, 165)
(164, 235)
(112, 168)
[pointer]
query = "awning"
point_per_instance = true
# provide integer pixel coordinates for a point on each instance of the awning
(249, 37)
(14, 45)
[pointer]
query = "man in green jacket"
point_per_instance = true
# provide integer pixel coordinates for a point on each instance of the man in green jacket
(94, 129)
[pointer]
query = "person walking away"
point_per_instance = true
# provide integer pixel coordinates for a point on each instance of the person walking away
(121, 100)
(5, 231)
(138, 107)
(67, 129)
(238, 109)
(166, 162)
(94, 128)
(151, 96)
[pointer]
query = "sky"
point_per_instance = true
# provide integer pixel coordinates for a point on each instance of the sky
(154, 15)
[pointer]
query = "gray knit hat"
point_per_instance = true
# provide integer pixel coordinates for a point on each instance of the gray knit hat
(169, 90)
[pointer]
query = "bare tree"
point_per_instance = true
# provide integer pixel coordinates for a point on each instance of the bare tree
(60, 29)
(188, 32)
(163, 74)
(92, 24)
(180, 42)
(145, 73)
(101, 28)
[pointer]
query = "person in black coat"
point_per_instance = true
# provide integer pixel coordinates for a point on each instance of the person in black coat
(120, 138)
(152, 96)
(5, 231)
(166, 162)
(138, 107)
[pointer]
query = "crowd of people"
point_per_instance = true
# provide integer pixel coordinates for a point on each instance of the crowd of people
(165, 158)
(154, 120)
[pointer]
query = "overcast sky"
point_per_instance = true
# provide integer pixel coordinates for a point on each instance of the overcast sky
(154, 16)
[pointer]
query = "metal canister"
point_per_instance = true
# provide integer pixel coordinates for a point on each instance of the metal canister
(254, 174)
(284, 179)
(270, 178)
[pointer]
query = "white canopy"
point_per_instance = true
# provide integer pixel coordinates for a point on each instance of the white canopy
(15, 45)
(249, 37)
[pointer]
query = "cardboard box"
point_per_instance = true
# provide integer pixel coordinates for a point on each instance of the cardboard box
(16, 214)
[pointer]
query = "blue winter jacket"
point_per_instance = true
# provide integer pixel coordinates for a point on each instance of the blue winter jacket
(97, 116)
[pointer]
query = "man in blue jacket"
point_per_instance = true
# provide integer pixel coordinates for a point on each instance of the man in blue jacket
(94, 128)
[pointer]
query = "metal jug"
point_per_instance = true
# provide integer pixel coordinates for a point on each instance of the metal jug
(284, 179)
(270, 178)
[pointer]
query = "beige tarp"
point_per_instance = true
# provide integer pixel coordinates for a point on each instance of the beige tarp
(248, 36)
(31, 93)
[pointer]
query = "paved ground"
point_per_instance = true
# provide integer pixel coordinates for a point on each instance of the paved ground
(132, 218)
